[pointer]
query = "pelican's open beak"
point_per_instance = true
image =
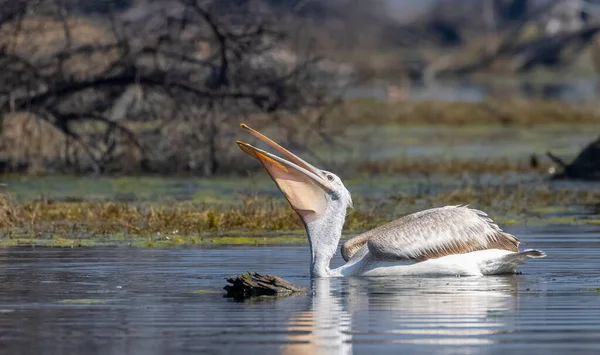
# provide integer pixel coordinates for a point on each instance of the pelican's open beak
(303, 185)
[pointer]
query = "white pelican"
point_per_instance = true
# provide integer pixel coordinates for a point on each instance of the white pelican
(450, 240)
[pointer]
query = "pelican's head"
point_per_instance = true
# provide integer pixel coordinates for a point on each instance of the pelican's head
(312, 192)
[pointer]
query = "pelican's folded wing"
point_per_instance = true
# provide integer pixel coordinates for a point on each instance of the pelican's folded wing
(432, 234)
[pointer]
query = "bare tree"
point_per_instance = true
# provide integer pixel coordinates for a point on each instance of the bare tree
(154, 87)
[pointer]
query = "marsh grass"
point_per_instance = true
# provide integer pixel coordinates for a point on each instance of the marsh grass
(179, 218)
(255, 221)
(9, 213)
(505, 204)
(428, 166)
(523, 201)
(510, 111)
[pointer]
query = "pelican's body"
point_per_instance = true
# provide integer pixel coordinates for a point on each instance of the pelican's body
(476, 263)
(450, 240)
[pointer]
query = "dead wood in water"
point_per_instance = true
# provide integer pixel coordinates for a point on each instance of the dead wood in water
(586, 165)
(255, 285)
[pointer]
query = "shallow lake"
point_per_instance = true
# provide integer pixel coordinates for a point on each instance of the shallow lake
(156, 301)
(153, 301)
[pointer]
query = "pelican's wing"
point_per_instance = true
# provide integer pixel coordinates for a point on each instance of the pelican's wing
(432, 234)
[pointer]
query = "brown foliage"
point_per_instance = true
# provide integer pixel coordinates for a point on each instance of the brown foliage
(9, 215)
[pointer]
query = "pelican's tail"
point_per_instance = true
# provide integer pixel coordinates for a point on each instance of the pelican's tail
(532, 253)
(520, 257)
(509, 263)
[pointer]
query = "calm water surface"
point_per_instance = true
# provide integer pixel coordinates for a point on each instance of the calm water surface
(144, 301)
(573, 90)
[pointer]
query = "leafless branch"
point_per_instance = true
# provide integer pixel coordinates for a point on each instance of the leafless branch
(152, 77)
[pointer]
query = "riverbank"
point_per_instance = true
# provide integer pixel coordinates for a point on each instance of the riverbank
(258, 221)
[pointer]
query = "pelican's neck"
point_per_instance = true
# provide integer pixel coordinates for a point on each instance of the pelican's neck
(323, 236)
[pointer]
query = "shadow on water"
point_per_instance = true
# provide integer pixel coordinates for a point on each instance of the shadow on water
(141, 301)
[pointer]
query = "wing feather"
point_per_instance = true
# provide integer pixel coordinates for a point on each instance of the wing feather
(432, 234)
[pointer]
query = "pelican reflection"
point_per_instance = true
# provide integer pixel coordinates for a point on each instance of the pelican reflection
(444, 311)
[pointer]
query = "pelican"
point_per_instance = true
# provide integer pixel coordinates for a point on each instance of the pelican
(444, 241)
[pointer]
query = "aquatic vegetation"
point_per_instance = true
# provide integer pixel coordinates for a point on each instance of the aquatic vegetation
(205, 292)
(511, 111)
(597, 290)
(62, 242)
(260, 221)
(523, 200)
(427, 166)
(8, 213)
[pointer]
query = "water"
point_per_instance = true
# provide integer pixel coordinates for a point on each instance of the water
(145, 301)
(155, 301)
(465, 90)
(466, 143)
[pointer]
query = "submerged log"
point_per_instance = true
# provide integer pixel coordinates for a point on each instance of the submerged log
(255, 285)
(586, 165)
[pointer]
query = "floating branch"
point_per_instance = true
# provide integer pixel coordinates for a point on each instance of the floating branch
(254, 285)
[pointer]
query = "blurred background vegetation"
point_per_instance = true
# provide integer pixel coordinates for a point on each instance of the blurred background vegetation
(110, 111)
(159, 86)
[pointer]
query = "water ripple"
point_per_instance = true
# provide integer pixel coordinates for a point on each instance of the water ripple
(121, 300)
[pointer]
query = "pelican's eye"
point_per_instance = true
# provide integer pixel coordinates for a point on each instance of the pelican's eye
(329, 177)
